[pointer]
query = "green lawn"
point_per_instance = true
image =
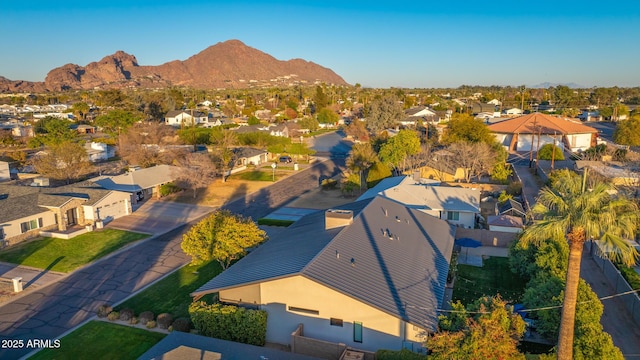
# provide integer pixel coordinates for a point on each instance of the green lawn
(171, 294)
(102, 340)
(256, 175)
(493, 278)
(66, 255)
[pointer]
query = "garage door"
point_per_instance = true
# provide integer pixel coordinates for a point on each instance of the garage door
(114, 210)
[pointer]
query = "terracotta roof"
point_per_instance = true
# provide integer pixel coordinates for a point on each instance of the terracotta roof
(527, 124)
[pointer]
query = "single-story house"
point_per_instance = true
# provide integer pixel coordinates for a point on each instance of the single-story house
(620, 174)
(513, 112)
(26, 211)
(250, 156)
(459, 206)
(521, 133)
(505, 223)
(271, 129)
(370, 274)
(140, 184)
(185, 117)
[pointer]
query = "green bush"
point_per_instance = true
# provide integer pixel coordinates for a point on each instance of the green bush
(377, 172)
(514, 188)
(328, 184)
(630, 275)
(229, 322)
(546, 153)
(403, 354)
(182, 324)
(168, 188)
(274, 222)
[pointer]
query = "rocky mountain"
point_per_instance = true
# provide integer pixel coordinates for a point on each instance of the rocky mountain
(230, 64)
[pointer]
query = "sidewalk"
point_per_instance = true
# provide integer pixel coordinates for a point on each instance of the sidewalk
(32, 278)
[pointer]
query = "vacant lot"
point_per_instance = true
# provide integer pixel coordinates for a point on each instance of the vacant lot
(67, 255)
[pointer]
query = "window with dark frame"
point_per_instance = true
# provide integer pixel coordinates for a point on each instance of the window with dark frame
(335, 322)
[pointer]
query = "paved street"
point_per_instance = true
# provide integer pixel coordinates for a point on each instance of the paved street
(53, 310)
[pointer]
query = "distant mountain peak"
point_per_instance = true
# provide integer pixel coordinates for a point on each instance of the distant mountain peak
(228, 64)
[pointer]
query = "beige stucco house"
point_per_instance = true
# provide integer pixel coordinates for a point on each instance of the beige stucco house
(370, 275)
(27, 212)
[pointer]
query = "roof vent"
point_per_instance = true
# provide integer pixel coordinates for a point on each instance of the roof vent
(337, 218)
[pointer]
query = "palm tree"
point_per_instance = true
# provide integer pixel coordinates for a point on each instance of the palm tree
(572, 210)
(361, 158)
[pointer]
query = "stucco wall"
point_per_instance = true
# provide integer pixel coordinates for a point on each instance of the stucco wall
(13, 233)
(120, 209)
(380, 330)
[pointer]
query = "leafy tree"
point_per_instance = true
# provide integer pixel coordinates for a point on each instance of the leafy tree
(627, 132)
(80, 109)
(491, 334)
(222, 236)
(327, 116)
(547, 152)
(52, 130)
(309, 123)
(195, 171)
(569, 209)
(563, 96)
(501, 172)
(224, 141)
(253, 120)
(357, 130)
(66, 161)
(117, 121)
(195, 135)
(397, 148)
(383, 113)
(464, 127)
(377, 172)
(360, 159)
(321, 100)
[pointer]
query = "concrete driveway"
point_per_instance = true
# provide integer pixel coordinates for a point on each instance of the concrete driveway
(158, 217)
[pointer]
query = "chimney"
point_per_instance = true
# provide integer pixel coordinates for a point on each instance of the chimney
(337, 218)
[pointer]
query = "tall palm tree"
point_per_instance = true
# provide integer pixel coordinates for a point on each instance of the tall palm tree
(571, 209)
(361, 158)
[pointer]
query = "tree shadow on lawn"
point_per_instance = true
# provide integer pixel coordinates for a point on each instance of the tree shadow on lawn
(46, 270)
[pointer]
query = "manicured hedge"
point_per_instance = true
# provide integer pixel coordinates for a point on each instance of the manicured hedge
(230, 322)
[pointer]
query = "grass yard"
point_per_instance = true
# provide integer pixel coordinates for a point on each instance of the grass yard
(256, 175)
(493, 278)
(66, 255)
(171, 294)
(102, 340)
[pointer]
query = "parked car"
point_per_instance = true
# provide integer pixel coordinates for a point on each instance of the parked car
(285, 159)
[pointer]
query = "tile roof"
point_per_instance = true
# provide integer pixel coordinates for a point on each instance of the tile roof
(391, 257)
(528, 124)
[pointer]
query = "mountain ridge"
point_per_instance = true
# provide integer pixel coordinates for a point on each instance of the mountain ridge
(228, 64)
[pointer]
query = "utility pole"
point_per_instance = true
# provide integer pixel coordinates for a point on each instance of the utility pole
(553, 151)
(538, 151)
(533, 133)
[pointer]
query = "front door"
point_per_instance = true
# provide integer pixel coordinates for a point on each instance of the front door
(71, 217)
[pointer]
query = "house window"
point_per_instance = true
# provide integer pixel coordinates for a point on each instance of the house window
(453, 215)
(357, 331)
(303, 310)
(31, 225)
(335, 322)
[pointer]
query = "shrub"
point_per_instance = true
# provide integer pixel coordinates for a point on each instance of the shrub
(514, 188)
(546, 152)
(104, 310)
(145, 317)
(403, 354)
(113, 316)
(134, 320)
(328, 184)
(168, 188)
(164, 320)
(229, 322)
(376, 173)
(151, 324)
(126, 314)
(182, 324)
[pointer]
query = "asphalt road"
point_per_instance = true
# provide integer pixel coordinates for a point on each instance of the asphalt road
(58, 308)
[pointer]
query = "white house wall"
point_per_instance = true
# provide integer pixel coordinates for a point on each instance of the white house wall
(525, 141)
(117, 204)
(579, 141)
(380, 330)
(505, 229)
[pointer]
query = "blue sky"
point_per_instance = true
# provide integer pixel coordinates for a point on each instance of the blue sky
(413, 44)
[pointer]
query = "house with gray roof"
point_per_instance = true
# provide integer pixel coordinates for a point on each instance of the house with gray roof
(457, 205)
(140, 183)
(185, 117)
(370, 274)
(27, 212)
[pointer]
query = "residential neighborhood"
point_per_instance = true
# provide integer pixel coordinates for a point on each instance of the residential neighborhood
(329, 231)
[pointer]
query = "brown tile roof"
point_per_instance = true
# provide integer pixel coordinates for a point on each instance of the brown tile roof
(528, 124)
